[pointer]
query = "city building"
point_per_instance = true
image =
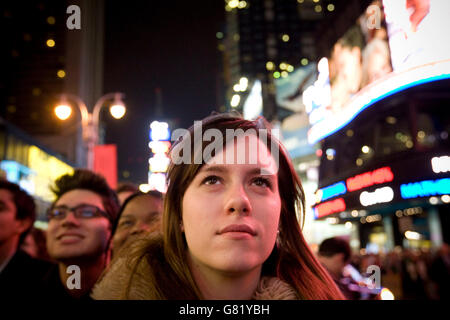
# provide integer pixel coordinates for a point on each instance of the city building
(42, 58)
(383, 129)
(271, 53)
(265, 40)
(24, 161)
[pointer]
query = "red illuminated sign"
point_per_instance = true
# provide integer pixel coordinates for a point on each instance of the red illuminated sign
(371, 178)
(329, 207)
(105, 163)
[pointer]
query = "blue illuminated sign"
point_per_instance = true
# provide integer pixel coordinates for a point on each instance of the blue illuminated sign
(334, 190)
(425, 188)
(159, 131)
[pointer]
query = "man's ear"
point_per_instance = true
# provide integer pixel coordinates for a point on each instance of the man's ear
(23, 224)
(340, 257)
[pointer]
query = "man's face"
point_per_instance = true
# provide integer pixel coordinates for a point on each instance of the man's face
(72, 238)
(10, 226)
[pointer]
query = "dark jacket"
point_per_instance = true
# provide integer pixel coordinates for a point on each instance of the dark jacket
(23, 277)
(55, 290)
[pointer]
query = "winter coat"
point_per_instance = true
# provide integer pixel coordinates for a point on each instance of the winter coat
(113, 284)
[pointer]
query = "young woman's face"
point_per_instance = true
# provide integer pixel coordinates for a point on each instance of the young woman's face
(139, 216)
(230, 212)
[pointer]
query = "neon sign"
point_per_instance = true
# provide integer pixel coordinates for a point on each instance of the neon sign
(371, 178)
(159, 146)
(425, 188)
(159, 162)
(440, 164)
(157, 181)
(380, 195)
(334, 190)
(329, 207)
(159, 131)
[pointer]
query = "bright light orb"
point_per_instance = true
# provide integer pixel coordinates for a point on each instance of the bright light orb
(117, 111)
(63, 111)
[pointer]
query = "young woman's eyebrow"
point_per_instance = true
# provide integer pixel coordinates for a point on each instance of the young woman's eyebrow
(261, 171)
(127, 215)
(220, 169)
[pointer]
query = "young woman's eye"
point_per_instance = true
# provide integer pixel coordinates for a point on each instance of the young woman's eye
(262, 182)
(126, 223)
(211, 180)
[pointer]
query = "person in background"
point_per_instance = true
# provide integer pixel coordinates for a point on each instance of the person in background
(35, 244)
(20, 274)
(230, 230)
(140, 213)
(79, 232)
(440, 272)
(335, 255)
(124, 190)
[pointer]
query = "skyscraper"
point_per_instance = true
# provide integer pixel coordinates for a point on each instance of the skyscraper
(41, 59)
(267, 39)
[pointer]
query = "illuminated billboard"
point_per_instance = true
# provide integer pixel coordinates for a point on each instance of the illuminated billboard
(289, 93)
(158, 163)
(417, 178)
(416, 31)
(46, 170)
(378, 57)
(253, 105)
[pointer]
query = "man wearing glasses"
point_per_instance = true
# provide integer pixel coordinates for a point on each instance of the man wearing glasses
(79, 232)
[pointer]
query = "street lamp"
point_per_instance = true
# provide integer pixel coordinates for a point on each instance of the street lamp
(90, 121)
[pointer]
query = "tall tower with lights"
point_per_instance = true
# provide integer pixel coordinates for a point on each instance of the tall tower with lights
(265, 40)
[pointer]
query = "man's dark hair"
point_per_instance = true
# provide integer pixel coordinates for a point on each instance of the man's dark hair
(88, 180)
(25, 206)
(331, 246)
(126, 187)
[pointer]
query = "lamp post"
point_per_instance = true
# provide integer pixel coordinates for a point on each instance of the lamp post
(90, 121)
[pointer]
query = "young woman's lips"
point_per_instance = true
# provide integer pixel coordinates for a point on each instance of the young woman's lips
(238, 231)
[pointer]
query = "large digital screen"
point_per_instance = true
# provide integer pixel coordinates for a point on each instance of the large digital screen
(416, 31)
(381, 54)
(289, 91)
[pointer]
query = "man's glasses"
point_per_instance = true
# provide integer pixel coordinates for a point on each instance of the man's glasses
(82, 211)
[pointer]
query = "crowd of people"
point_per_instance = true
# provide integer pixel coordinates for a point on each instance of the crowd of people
(410, 274)
(223, 230)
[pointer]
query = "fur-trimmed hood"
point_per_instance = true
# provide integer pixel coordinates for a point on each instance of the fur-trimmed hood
(115, 284)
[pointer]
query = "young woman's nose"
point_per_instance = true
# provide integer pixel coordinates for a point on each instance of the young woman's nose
(140, 228)
(237, 200)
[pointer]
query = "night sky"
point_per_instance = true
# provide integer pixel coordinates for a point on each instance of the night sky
(169, 45)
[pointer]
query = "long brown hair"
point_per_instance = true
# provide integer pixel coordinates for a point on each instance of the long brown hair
(291, 259)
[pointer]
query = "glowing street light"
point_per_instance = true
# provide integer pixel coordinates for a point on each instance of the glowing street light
(63, 111)
(90, 121)
(117, 109)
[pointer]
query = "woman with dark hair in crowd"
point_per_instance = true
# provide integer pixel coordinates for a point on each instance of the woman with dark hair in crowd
(140, 214)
